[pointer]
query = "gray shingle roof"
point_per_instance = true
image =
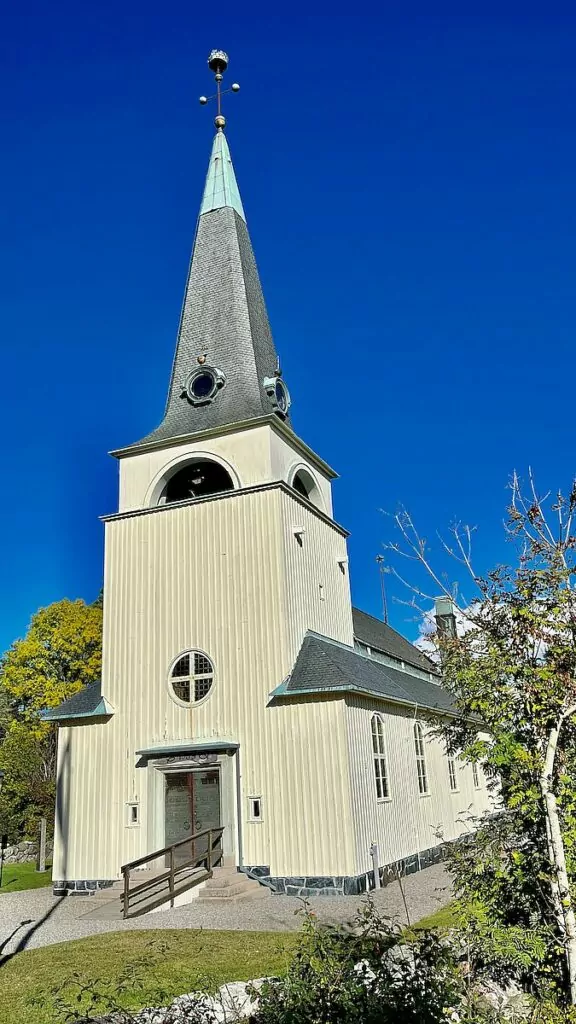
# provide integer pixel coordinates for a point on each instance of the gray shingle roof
(383, 638)
(224, 318)
(87, 703)
(326, 666)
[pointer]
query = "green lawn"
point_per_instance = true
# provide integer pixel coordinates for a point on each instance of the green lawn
(173, 962)
(148, 967)
(442, 919)
(23, 876)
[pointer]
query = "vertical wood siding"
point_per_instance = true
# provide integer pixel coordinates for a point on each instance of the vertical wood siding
(215, 576)
(407, 822)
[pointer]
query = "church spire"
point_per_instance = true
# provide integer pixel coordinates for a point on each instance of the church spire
(225, 368)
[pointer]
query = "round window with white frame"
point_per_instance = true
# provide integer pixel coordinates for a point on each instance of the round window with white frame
(191, 677)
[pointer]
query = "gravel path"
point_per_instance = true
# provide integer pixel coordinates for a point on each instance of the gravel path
(36, 918)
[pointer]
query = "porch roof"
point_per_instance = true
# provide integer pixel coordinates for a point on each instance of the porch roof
(189, 747)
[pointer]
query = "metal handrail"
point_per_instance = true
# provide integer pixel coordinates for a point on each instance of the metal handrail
(214, 836)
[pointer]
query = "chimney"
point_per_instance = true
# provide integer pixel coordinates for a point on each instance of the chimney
(445, 617)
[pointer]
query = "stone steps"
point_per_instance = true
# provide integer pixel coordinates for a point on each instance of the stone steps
(228, 885)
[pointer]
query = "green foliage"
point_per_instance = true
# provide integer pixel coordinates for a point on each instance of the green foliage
(61, 652)
(368, 976)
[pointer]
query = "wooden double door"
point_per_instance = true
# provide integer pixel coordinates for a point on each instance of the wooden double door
(191, 804)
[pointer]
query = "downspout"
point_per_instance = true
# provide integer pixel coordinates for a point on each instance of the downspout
(239, 847)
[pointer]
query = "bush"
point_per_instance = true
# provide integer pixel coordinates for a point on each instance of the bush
(371, 975)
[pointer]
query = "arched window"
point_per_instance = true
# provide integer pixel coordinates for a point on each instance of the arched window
(196, 479)
(452, 773)
(305, 484)
(379, 752)
(420, 759)
(191, 677)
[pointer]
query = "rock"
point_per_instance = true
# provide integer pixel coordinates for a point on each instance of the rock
(509, 1000)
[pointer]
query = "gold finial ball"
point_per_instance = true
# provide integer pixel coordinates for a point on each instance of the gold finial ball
(220, 121)
(235, 87)
(201, 359)
(218, 61)
(203, 100)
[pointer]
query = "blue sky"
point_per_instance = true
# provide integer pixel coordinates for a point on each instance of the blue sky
(409, 185)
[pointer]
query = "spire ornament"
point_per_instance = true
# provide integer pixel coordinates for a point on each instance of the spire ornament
(218, 62)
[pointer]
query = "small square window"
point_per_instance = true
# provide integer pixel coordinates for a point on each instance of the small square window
(255, 808)
(132, 815)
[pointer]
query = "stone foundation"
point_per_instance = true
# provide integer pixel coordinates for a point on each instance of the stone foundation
(344, 885)
(81, 886)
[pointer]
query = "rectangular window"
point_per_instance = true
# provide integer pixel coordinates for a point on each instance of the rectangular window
(254, 808)
(132, 814)
(452, 774)
(475, 775)
(379, 752)
(420, 759)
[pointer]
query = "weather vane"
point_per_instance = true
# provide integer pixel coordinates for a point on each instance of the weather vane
(218, 62)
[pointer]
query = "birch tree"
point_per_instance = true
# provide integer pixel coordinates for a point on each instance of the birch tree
(511, 665)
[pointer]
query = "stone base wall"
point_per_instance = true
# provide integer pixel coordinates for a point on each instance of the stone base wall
(344, 885)
(81, 886)
(25, 852)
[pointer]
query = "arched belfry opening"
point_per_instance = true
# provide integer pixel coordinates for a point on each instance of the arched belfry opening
(306, 485)
(196, 479)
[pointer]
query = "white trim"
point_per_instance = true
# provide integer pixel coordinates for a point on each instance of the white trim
(380, 755)
(318, 499)
(252, 818)
(420, 754)
(168, 681)
(130, 823)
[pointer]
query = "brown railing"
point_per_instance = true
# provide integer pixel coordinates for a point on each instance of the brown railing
(168, 884)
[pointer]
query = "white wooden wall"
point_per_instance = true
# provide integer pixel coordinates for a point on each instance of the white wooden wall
(407, 821)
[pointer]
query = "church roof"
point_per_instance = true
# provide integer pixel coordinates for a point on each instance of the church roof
(380, 636)
(224, 326)
(87, 703)
(326, 666)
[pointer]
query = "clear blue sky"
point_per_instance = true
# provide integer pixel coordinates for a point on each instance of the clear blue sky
(409, 185)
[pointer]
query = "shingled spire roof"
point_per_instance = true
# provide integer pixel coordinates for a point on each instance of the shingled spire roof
(224, 329)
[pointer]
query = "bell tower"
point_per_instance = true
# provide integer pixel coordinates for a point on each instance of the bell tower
(222, 555)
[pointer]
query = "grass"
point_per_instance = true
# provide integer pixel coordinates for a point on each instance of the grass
(143, 968)
(181, 961)
(441, 920)
(23, 876)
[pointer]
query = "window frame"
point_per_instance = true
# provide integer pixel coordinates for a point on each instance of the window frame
(252, 817)
(476, 775)
(421, 765)
(380, 758)
(132, 805)
(191, 678)
(452, 774)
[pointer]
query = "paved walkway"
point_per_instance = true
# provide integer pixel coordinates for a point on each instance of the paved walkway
(36, 918)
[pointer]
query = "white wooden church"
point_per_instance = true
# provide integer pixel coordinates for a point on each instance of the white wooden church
(242, 696)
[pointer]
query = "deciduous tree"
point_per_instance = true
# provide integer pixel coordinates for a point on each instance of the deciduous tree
(512, 667)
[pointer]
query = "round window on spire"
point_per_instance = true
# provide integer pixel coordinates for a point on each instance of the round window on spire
(278, 392)
(203, 385)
